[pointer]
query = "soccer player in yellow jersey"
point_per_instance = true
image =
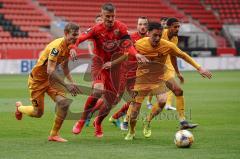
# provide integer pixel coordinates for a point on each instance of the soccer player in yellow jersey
(170, 34)
(163, 22)
(43, 78)
(151, 76)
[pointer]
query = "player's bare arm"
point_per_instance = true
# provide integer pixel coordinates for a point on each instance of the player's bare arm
(73, 54)
(110, 64)
(80, 39)
(68, 75)
(179, 53)
(66, 71)
(54, 76)
(205, 73)
(175, 66)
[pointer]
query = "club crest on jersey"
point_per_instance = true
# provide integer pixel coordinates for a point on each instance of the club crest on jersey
(116, 32)
(54, 52)
(110, 45)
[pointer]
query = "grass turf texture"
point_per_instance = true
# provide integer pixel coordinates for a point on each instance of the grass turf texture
(214, 104)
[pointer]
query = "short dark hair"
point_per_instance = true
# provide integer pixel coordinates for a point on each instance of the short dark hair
(154, 25)
(71, 27)
(97, 16)
(163, 18)
(170, 21)
(142, 17)
(108, 7)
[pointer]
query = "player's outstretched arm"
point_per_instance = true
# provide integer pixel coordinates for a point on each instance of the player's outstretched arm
(110, 64)
(205, 73)
(55, 77)
(179, 53)
(81, 38)
(140, 58)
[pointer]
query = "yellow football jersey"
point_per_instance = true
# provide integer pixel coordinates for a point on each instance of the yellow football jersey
(174, 40)
(155, 69)
(57, 51)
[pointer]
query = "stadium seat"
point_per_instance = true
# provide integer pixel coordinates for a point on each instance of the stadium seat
(20, 22)
(69, 10)
(226, 9)
(197, 11)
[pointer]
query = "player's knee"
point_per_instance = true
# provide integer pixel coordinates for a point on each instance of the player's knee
(97, 94)
(135, 111)
(134, 115)
(64, 104)
(98, 88)
(178, 92)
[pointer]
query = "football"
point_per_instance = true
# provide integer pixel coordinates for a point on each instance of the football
(183, 139)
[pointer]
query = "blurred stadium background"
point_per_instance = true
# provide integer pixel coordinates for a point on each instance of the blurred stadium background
(210, 28)
(210, 32)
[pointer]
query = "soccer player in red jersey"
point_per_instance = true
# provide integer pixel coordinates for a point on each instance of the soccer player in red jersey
(91, 45)
(113, 45)
(131, 67)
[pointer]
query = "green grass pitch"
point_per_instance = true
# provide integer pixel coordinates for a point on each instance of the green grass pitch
(214, 104)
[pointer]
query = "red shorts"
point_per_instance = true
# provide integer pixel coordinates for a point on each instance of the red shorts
(131, 68)
(111, 80)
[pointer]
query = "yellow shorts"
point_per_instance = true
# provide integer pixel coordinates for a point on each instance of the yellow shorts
(39, 88)
(169, 74)
(144, 90)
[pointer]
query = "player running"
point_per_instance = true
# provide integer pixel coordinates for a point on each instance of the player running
(150, 76)
(169, 34)
(43, 78)
(131, 67)
(112, 48)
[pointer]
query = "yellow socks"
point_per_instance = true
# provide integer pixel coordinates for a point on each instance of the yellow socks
(180, 107)
(170, 96)
(28, 110)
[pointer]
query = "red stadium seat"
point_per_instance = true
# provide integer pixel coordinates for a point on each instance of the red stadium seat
(24, 16)
(69, 10)
(226, 9)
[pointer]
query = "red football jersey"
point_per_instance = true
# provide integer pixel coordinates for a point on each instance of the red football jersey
(108, 41)
(135, 37)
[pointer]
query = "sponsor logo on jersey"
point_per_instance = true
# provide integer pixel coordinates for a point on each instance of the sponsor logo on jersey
(54, 52)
